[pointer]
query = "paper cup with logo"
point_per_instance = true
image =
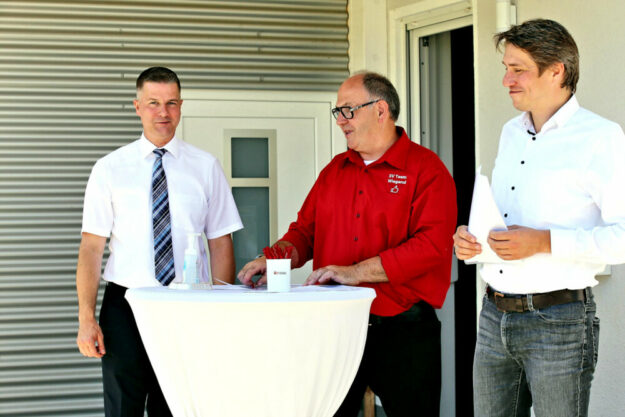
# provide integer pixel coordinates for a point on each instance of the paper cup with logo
(278, 275)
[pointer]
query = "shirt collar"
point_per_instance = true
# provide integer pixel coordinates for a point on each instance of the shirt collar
(396, 155)
(146, 147)
(559, 118)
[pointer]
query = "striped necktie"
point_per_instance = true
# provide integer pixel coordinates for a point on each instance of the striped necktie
(161, 224)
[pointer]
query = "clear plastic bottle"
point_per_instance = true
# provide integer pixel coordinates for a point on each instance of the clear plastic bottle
(191, 268)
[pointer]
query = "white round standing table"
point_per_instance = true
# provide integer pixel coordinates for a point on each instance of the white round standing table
(239, 352)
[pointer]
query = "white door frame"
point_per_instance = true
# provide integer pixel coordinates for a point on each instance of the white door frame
(415, 70)
(441, 15)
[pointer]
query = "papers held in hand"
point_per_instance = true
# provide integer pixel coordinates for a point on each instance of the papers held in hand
(483, 218)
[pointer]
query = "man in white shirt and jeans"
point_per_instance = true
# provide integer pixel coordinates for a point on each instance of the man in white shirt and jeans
(118, 204)
(558, 182)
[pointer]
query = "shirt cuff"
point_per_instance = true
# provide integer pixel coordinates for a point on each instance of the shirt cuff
(563, 243)
(392, 267)
(225, 231)
(96, 231)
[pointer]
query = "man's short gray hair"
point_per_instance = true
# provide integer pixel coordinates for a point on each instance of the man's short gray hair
(379, 87)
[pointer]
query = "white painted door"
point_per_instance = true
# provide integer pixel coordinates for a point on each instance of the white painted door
(272, 146)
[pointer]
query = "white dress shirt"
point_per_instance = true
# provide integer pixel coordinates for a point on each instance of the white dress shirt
(569, 179)
(118, 203)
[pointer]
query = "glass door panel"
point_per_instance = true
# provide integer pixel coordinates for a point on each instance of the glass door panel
(253, 205)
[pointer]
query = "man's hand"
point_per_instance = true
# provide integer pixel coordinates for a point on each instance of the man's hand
(346, 275)
(259, 266)
(519, 242)
(465, 244)
(255, 267)
(370, 270)
(90, 339)
(87, 282)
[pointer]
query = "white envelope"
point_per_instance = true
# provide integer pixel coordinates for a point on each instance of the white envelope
(483, 218)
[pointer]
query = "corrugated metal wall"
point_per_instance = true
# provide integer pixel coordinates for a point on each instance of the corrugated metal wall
(67, 72)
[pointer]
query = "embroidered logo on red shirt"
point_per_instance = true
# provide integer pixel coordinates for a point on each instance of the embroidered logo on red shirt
(396, 180)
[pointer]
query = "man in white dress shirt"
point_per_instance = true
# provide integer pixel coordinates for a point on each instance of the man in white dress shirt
(118, 204)
(558, 181)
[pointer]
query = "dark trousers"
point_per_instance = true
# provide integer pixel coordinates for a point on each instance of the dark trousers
(130, 385)
(401, 364)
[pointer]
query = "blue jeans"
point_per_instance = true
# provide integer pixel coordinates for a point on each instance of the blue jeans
(542, 358)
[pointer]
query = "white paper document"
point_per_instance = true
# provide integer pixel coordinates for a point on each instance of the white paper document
(483, 218)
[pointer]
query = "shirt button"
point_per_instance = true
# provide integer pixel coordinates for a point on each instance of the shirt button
(505, 214)
(357, 215)
(512, 188)
(366, 171)
(360, 192)
(501, 271)
(355, 238)
(522, 162)
(533, 137)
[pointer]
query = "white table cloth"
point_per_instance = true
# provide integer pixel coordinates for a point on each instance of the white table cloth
(240, 352)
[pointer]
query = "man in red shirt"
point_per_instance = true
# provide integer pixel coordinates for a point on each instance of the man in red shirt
(381, 215)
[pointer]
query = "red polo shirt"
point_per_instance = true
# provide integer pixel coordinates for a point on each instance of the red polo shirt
(401, 207)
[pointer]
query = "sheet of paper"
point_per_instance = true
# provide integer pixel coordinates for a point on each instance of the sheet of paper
(483, 218)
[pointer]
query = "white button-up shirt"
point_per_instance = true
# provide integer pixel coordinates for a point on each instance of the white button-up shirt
(569, 179)
(118, 203)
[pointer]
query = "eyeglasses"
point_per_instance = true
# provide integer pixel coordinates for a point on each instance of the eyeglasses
(348, 112)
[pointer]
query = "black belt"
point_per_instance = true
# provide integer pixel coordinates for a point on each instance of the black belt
(517, 303)
(115, 288)
(418, 312)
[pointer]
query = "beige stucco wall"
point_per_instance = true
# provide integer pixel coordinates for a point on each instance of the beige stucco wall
(599, 31)
(367, 22)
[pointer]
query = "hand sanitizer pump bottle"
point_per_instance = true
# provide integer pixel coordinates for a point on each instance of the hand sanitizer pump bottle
(190, 271)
